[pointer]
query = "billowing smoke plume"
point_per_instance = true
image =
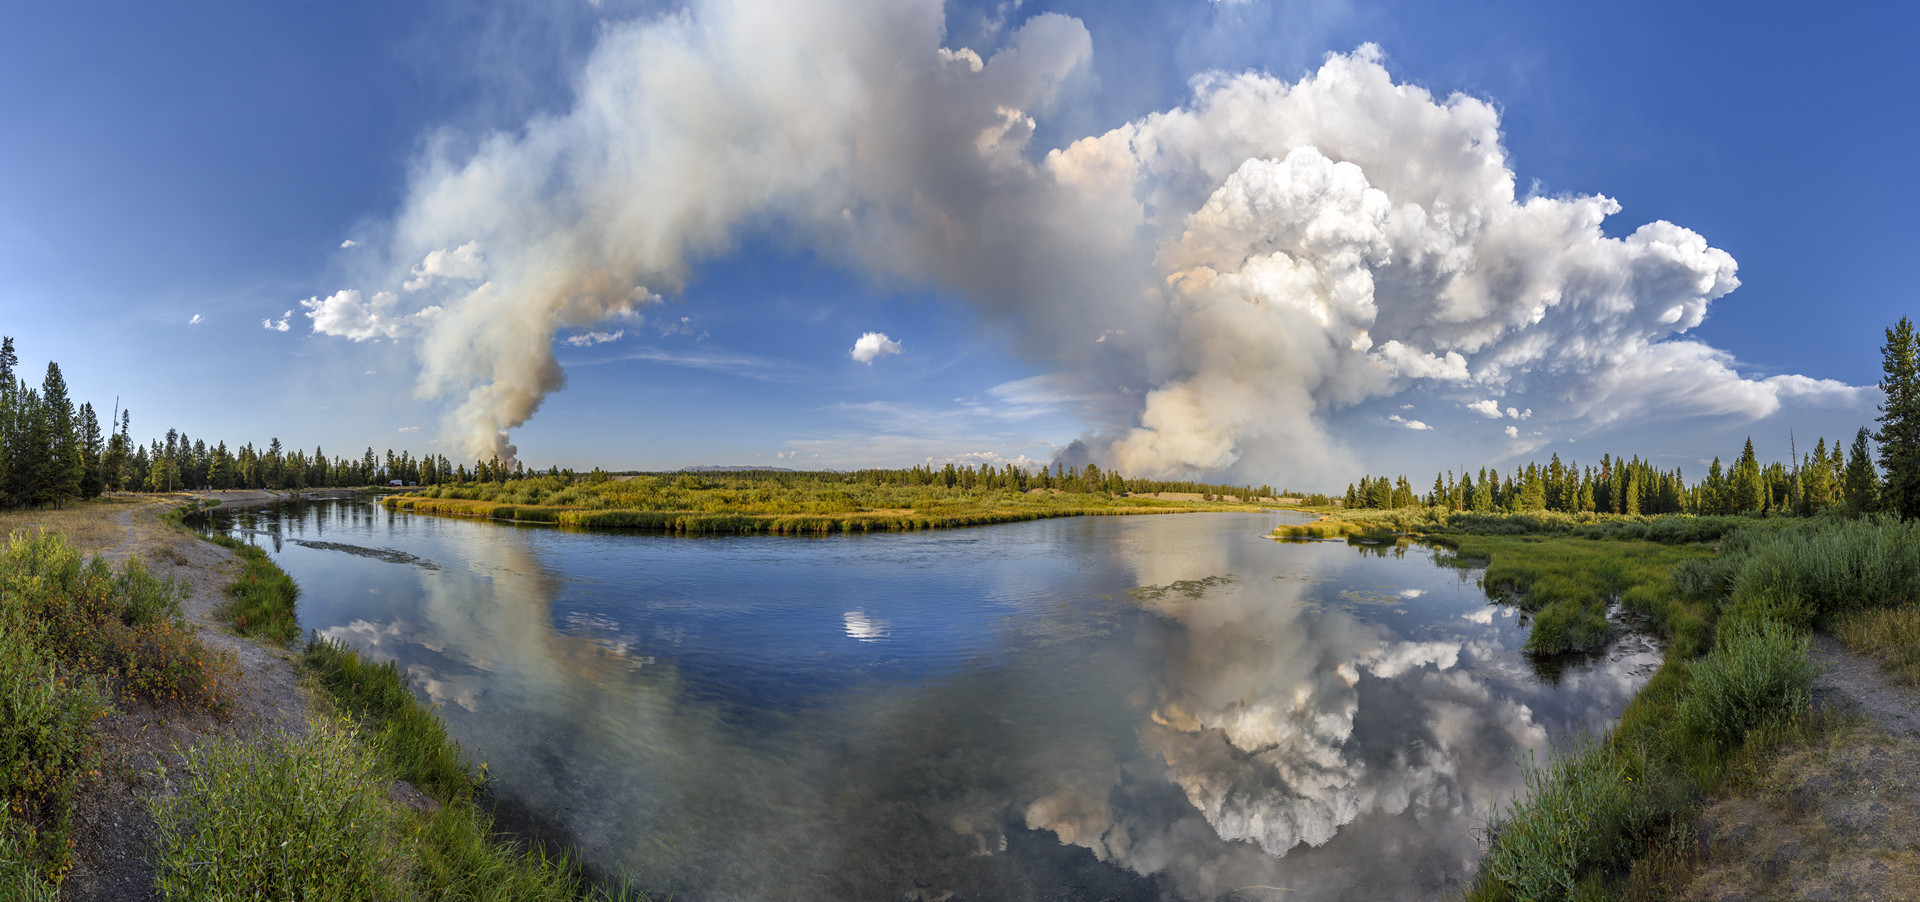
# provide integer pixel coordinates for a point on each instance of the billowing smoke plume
(1217, 279)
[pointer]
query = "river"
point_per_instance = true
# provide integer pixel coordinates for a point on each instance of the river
(1143, 707)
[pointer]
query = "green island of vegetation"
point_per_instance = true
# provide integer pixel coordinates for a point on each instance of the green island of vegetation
(778, 501)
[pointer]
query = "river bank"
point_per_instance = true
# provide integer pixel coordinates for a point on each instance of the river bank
(156, 777)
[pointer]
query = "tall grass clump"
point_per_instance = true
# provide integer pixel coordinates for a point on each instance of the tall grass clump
(1756, 671)
(1830, 565)
(1576, 817)
(262, 600)
(414, 742)
(280, 817)
(20, 879)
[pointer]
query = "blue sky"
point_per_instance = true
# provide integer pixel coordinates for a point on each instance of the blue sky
(209, 159)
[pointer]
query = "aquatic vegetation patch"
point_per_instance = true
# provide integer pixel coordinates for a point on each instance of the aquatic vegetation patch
(453, 852)
(799, 504)
(379, 697)
(263, 597)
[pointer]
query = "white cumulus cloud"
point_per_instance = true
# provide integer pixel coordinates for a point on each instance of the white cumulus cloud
(347, 315)
(873, 345)
(195, 321)
(1415, 425)
(279, 325)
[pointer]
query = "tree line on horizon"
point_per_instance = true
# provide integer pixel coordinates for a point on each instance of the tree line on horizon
(52, 450)
(1819, 480)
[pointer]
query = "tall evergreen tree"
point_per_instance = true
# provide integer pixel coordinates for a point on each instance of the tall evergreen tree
(1899, 434)
(1862, 485)
(92, 478)
(1744, 483)
(58, 473)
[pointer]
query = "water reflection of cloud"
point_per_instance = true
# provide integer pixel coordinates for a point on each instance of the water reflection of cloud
(866, 629)
(1283, 725)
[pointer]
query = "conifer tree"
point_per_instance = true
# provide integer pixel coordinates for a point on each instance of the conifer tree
(1744, 485)
(58, 476)
(1899, 434)
(1815, 484)
(1863, 486)
(92, 478)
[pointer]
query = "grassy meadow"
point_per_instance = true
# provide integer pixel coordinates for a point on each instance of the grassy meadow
(1737, 598)
(766, 502)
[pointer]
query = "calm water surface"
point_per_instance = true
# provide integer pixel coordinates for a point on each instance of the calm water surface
(1154, 707)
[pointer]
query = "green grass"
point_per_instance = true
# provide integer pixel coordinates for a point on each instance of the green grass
(280, 818)
(793, 504)
(262, 600)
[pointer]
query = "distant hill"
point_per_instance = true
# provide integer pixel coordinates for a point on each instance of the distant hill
(735, 469)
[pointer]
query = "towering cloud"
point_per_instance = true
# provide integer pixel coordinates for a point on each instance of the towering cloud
(1217, 280)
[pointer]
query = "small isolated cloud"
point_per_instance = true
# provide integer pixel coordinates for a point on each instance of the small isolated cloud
(589, 339)
(873, 345)
(279, 325)
(1519, 414)
(349, 243)
(349, 315)
(463, 262)
(1488, 408)
(1513, 432)
(195, 321)
(1415, 425)
(409, 429)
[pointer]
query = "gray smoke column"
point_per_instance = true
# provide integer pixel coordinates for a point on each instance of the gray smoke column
(1219, 280)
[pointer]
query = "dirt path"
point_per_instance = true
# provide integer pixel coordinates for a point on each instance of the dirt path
(114, 834)
(1837, 819)
(1849, 680)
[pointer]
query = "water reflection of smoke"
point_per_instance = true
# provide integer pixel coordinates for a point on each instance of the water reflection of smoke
(1281, 729)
